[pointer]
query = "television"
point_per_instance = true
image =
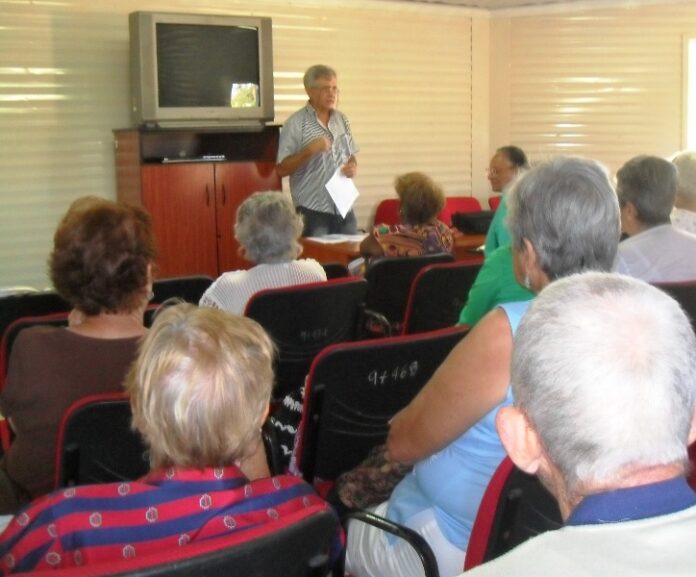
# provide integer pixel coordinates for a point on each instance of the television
(190, 70)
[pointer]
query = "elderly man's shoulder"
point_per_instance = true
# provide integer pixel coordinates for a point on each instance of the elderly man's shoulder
(624, 548)
(662, 239)
(684, 219)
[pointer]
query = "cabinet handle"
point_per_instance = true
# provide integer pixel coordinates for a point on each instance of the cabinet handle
(207, 195)
(224, 195)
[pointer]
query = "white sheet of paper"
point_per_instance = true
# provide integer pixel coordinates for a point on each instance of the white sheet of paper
(342, 191)
(336, 238)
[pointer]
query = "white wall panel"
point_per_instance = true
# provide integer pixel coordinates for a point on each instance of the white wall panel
(606, 84)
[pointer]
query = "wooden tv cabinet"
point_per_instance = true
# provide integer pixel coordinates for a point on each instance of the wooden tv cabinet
(192, 194)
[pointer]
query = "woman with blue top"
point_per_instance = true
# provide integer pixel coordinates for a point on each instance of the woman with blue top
(563, 218)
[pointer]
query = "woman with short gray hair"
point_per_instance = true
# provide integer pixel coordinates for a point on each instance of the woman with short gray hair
(564, 218)
(267, 229)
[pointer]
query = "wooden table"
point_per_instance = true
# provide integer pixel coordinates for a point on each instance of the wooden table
(465, 246)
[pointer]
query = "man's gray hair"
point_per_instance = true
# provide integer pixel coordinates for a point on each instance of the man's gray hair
(268, 227)
(316, 72)
(603, 365)
(686, 166)
(567, 208)
(650, 184)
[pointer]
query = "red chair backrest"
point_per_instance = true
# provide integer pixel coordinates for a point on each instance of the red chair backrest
(388, 212)
(455, 204)
(481, 530)
(494, 202)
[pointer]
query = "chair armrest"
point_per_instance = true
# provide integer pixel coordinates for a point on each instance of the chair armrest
(419, 544)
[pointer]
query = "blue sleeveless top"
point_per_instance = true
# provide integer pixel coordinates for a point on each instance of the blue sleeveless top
(452, 481)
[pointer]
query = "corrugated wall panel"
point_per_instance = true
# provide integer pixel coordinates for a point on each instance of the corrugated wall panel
(602, 83)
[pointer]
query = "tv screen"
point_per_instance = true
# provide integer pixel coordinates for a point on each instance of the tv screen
(193, 69)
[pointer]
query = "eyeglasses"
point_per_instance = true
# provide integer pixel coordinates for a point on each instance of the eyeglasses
(497, 171)
(327, 89)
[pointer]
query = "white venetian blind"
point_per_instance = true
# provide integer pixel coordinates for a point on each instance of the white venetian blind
(605, 84)
(404, 71)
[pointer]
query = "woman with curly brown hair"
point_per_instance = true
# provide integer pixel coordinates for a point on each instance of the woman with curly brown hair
(420, 231)
(101, 264)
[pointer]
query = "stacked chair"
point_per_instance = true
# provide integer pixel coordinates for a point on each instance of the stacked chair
(514, 508)
(354, 389)
(388, 285)
(96, 443)
(303, 319)
(437, 295)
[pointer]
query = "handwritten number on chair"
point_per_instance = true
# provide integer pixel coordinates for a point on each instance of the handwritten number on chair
(377, 377)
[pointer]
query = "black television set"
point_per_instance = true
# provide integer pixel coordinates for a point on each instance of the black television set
(200, 70)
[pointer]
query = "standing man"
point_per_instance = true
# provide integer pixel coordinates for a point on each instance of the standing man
(507, 163)
(314, 142)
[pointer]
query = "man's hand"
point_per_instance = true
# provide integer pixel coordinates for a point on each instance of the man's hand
(291, 163)
(350, 168)
(319, 145)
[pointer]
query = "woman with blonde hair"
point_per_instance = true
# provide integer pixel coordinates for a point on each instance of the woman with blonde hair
(200, 390)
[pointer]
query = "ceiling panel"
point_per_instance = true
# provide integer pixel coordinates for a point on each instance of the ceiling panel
(496, 4)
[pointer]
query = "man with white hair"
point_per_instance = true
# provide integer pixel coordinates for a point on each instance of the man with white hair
(655, 251)
(684, 213)
(604, 381)
(315, 142)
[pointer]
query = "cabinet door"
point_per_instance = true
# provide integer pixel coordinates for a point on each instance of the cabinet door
(181, 200)
(235, 181)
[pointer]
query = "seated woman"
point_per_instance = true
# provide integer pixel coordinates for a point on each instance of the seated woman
(495, 284)
(420, 232)
(267, 228)
(200, 390)
(101, 264)
(563, 218)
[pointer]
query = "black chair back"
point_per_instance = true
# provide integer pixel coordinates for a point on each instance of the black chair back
(437, 296)
(187, 288)
(303, 319)
(335, 270)
(685, 294)
(96, 443)
(33, 304)
(354, 389)
(297, 545)
(389, 281)
(18, 325)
